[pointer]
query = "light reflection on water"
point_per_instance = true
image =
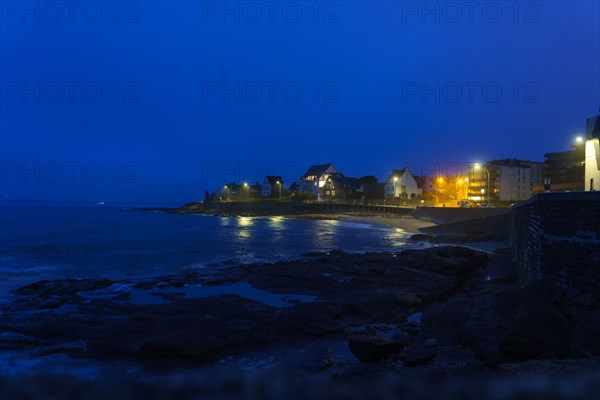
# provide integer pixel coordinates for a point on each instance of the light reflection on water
(397, 237)
(245, 221)
(41, 242)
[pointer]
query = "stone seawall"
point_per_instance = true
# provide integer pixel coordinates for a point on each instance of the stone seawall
(556, 236)
(449, 215)
(272, 208)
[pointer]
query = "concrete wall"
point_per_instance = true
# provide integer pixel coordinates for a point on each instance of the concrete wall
(449, 215)
(270, 208)
(557, 236)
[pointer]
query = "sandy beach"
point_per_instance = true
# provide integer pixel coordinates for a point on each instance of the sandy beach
(406, 222)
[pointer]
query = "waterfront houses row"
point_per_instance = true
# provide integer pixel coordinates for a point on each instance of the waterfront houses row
(501, 181)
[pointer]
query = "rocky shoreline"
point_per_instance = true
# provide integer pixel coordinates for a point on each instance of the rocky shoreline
(444, 310)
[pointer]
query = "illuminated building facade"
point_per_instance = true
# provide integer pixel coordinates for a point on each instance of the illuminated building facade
(592, 154)
(315, 178)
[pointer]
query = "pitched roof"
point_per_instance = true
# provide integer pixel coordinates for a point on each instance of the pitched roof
(400, 172)
(316, 170)
(273, 179)
(345, 180)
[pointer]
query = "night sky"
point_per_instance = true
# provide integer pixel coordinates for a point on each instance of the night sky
(137, 101)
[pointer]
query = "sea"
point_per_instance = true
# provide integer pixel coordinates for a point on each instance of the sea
(56, 241)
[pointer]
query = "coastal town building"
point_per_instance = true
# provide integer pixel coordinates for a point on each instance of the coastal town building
(255, 190)
(370, 188)
(565, 170)
(338, 186)
(315, 177)
(272, 186)
(235, 191)
(592, 154)
(444, 190)
(508, 180)
(403, 185)
(428, 186)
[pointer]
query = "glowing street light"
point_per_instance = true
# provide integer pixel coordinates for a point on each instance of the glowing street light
(247, 190)
(460, 188)
(395, 180)
(579, 139)
(279, 183)
(227, 188)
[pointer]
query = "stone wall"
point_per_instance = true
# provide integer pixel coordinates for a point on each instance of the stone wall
(449, 215)
(556, 236)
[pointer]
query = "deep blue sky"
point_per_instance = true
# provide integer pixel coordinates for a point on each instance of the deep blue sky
(371, 58)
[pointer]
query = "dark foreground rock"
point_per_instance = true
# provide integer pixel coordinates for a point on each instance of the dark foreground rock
(373, 348)
(418, 354)
(490, 229)
(440, 310)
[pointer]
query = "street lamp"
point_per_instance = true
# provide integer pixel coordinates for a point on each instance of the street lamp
(279, 183)
(227, 188)
(478, 165)
(440, 196)
(247, 190)
(579, 139)
(395, 180)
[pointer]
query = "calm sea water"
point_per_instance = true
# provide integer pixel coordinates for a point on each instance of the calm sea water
(56, 242)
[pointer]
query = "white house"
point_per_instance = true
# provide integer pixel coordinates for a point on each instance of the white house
(402, 184)
(592, 154)
(315, 178)
(272, 186)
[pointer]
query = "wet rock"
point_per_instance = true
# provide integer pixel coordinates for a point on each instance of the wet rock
(12, 340)
(585, 335)
(456, 360)
(503, 250)
(63, 287)
(456, 251)
(481, 237)
(73, 349)
(447, 239)
(337, 253)
(539, 330)
(372, 348)
(445, 321)
(314, 254)
(414, 319)
(418, 354)
(324, 360)
(421, 237)
(446, 260)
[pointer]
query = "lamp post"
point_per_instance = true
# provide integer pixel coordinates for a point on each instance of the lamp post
(227, 189)
(279, 183)
(440, 190)
(247, 190)
(394, 194)
(478, 165)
